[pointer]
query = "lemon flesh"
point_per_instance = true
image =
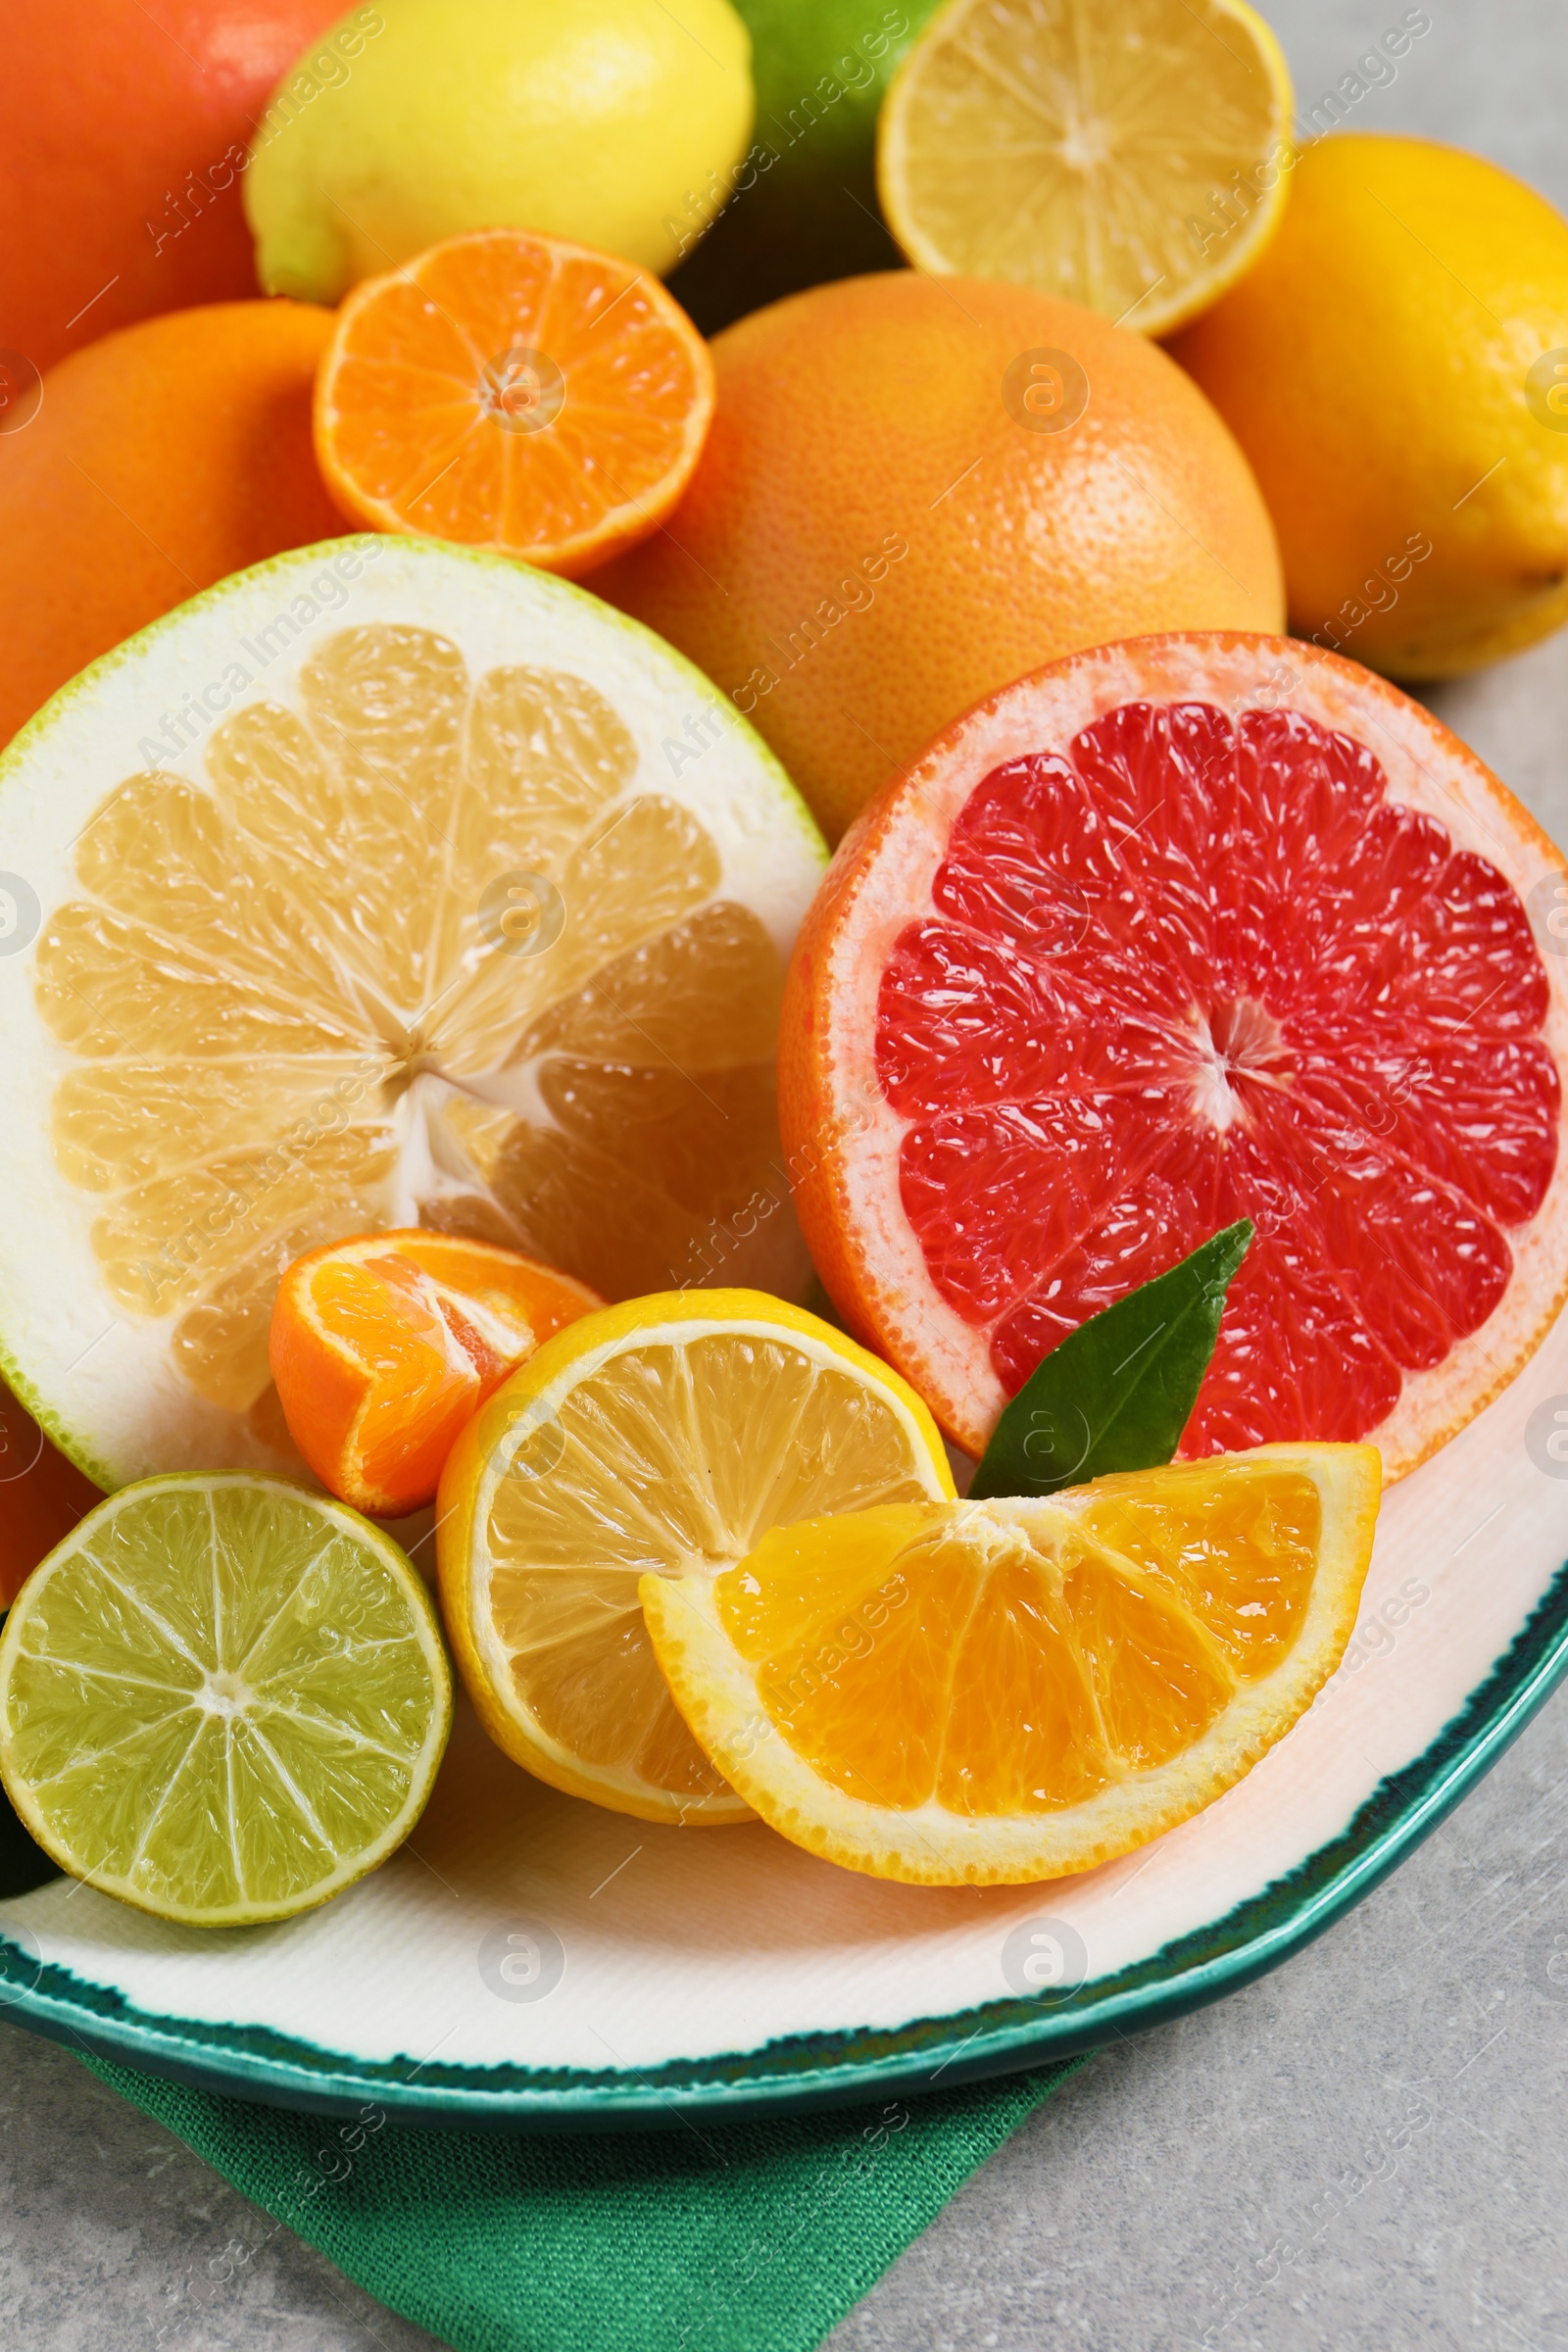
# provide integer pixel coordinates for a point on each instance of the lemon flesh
(1132, 159)
(593, 120)
(664, 1437)
(986, 1692)
(222, 1699)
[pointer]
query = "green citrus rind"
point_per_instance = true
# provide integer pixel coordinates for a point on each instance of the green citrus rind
(424, 1633)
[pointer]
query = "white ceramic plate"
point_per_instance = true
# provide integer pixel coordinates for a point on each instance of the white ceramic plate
(533, 1962)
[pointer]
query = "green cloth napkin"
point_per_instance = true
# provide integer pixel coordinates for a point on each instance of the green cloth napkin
(710, 2237)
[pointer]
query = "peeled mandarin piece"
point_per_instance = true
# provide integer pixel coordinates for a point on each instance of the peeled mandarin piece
(384, 1345)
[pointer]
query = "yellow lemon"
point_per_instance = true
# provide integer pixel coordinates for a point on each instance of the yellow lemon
(415, 119)
(1397, 370)
(1131, 158)
(658, 1439)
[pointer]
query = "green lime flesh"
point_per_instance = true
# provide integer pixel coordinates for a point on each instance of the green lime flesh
(221, 1698)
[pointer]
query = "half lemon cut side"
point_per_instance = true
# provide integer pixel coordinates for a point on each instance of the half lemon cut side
(658, 1439)
(982, 1694)
(1132, 159)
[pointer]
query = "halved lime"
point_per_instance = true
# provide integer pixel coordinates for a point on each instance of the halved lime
(221, 1698)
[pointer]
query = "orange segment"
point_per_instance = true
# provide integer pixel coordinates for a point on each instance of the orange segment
(998, 1691)
(514, 392)
(382, 1347)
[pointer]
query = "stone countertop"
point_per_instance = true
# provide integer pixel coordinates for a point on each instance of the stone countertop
(1362, 2150)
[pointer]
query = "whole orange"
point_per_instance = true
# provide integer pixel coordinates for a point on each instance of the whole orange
(915, 489)
(161, 459)
(124, 131)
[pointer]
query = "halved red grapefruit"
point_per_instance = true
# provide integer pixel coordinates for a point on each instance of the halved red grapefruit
(1175, 931)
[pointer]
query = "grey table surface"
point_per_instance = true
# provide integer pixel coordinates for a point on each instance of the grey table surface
(1363, 2150)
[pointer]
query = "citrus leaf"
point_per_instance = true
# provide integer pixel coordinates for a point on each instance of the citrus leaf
(1116, 1392)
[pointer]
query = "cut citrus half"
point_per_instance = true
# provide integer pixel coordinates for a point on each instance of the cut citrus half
(660, 1438)
(1173, 932)
(222, 1699)
(968, 1693)
(516, 393)
(383, 1347)
(1132, 159)
(389, 884)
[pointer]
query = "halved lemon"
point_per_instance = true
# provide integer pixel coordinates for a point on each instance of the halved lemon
(221, 1698)
(389, 884)
(986, 1692)
(1133, 159)
(658, 1439)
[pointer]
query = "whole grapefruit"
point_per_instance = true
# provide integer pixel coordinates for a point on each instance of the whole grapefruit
(161, 459)
(123, 133)
(915, 489)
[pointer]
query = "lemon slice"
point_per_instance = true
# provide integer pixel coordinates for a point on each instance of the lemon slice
(221, 1698)
(662, 1439)
(975, 1694)
(1131, 158)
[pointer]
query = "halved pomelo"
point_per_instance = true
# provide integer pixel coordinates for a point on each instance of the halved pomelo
(1175, 931)
(388, 884)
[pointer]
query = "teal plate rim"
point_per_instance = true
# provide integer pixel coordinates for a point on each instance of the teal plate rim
(842, 2068)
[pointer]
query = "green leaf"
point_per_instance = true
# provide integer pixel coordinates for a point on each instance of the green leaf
(1116, 1392)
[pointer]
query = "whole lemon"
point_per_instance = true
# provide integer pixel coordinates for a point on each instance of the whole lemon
(411, 120)
(1397, 370)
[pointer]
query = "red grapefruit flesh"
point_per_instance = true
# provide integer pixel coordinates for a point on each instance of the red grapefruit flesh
(1176, 931)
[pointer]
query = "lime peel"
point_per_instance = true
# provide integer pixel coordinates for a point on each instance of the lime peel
(223, 1699)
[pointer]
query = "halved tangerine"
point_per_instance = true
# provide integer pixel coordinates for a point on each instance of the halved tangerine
(383, 1347)
(1172, 932)
(514, 392)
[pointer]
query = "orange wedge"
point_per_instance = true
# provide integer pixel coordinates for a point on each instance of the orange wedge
(382, 1347)
(515, 393)
(980, 1694)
